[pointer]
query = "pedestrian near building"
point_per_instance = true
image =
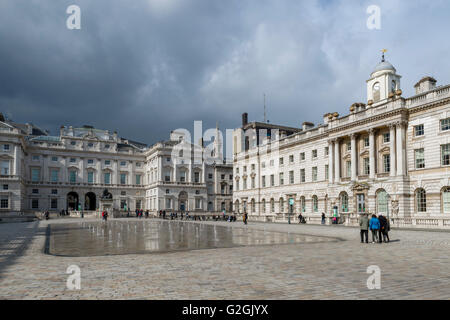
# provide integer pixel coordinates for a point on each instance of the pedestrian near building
(364, 226)
(323, 218)
(384, 229)
(374, 226)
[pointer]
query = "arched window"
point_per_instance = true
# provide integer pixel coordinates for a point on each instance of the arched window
(263, 205)
(421, 200)
(343, 199)
(302, 204)
(281, 205)
(376, 92)
(446, 200)
(272, 205)
(315, 203)
(253, 205)
(382, 202)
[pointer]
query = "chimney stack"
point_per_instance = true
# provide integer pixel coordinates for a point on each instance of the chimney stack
(244, 119)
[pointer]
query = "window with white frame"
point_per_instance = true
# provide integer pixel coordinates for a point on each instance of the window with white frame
(419, 130)
(5, 167)
(315, 203)
(445, 154)
(281, 178)
(421, 200)
(386, 137)
(314, 154)
(349, 169)
(6, 147)
(419, 158)
(382, 202)
(107, 178)
(4, 202)
(35, 174)
(366, 166)
(445, 124)
(302, 175)
(314, 174)
(90, 177)
(291, 177)
(446, 200)
(387, 163)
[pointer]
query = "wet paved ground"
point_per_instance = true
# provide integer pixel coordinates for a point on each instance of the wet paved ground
(115, 237)
(416, 265)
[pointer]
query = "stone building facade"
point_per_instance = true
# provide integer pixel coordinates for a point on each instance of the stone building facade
(390, 156)
(70, 171)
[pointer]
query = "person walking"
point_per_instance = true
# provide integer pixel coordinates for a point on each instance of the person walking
(364, 226)
(384, 229)
(300, 218)
(374, 226)
(245, 217)
(323, 218)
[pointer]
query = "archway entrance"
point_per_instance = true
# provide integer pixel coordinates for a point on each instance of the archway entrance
(182, 201)
(90, 201)
(72, 201)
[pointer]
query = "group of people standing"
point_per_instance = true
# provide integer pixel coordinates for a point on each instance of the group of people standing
(140, 213)
(379, 227)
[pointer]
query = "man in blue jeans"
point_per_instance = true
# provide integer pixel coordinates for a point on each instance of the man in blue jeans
(374, 226)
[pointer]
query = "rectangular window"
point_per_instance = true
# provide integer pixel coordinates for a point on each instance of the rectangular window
(366, 166)
(107, 162)
(107, 178)
(198, 203)
(419, 156)
(4, 202)
(281, 161)
(272, 180)
(34, 203)
(291, 158)
(196, 177)
(5, 167)
(349, 169)
(281, 178)
(327, 176)
(302, 175)
(419, 130)
(302, 156)
(138, 179)
(263, 165)
(35, 191)
(72, 160)
(72, 176)
(386, 137)
(54, 191)
(168, 203)
(54, 159)
(54, 203)
(445, 154)
(314, 154)
(445, 124)
(263, 181)
(327, 151)
(360, 200)
(244, 186)
(387, 163)
(35, 158)
(366, 142)
(123, 163)
(253, 183)
(6, 147)
(90, 161)
(90, 177)
(5, 187)
(167, 176)
(446, 200)
(291, 177)
(123, 178)
(35, 174)
(349, 146)
(314, 174)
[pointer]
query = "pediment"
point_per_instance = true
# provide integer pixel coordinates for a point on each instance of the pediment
(365, 153)
(384, 149)
(360, 186)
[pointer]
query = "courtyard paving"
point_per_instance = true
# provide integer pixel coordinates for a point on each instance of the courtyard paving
(415, 265)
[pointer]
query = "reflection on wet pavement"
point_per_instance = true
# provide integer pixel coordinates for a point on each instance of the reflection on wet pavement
(133, 237)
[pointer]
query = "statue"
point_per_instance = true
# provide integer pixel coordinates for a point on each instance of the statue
(106, 195)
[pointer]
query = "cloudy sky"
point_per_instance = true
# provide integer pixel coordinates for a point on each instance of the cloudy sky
(145, 67)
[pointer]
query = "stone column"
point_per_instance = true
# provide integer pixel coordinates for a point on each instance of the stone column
(160, 169)
(353, 157)
(337, 161)
(330, 161)
(392, 150)
(99, 171)
(400, 149)
(372, 153)
(16, 164)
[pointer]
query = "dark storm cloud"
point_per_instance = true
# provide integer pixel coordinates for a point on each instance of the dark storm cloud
(147, 67)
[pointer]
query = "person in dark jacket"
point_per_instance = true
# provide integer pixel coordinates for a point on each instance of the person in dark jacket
(364, 226)
(374, 226)
(384, 229)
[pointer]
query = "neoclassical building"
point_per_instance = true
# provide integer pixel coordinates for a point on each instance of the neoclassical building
(388, 156)
(70, 171)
